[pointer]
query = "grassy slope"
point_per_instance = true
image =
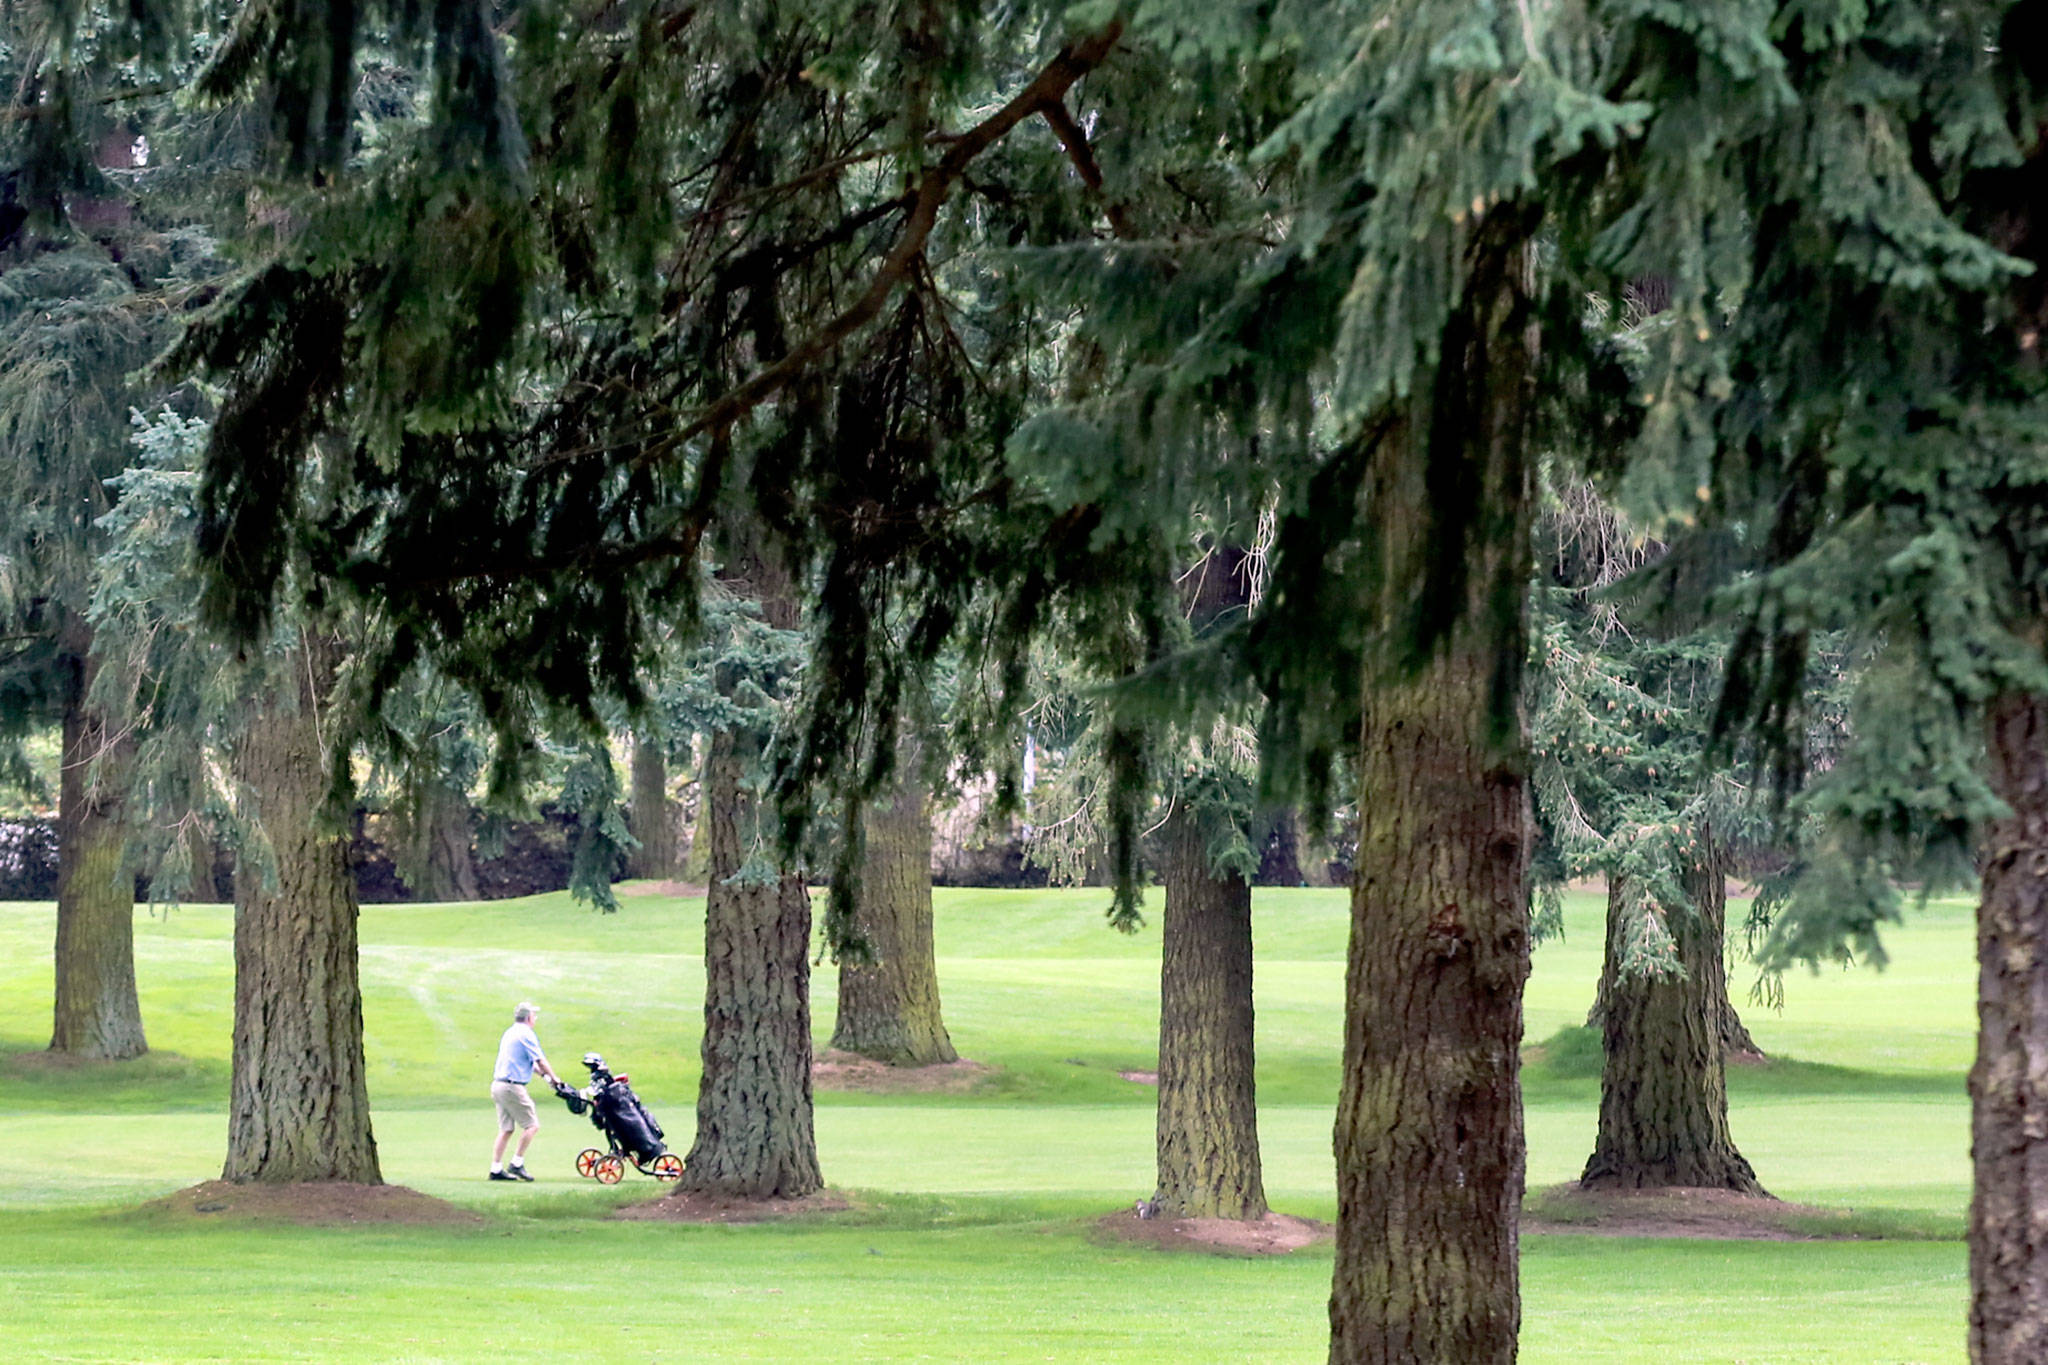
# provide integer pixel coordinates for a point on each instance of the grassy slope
(985, 1190)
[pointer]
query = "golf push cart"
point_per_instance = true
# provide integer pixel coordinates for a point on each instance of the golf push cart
(632, 1132)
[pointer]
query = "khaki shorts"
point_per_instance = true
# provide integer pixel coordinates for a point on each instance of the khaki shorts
(515, 1106)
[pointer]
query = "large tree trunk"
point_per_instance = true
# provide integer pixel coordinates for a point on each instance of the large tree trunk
(298, 1106)
(1736, 1043)
(1208, 1119)
(1664, 1087)
(754, 1120)
(97, 1015)
(652, 815)
(2009, 1083)
(1429, 1137)
(441, 846)
(889, 1007)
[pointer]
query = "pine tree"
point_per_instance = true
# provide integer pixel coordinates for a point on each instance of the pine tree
(1622, 700)
(1201, 784)
(1900, 504)
(299, 1103)
(99, 250)
(755, 1135)
(430, 760)
(1207, 1138)
(551, 573)
(276, 721)
(1209, 1164)
(653, 818)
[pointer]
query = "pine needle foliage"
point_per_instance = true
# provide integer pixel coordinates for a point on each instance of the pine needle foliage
(1905, 508)
(638, 267)
(100, 259)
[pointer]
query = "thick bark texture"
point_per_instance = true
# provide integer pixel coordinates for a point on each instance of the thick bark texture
(1429, 1137)
(2009, 1083)
(652, 814)
(97, 1015)
(1736, 1044)
(1664, 1086)
(299, 1106)
(754, 1121)
(1208, 1119)
(889, 1007)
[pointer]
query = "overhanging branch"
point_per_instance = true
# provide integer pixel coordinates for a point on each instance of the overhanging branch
(1075, 140)
(1048, 87)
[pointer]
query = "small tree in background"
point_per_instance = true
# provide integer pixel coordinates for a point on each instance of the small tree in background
(1619, 717)
(888, 982)
(104, 242)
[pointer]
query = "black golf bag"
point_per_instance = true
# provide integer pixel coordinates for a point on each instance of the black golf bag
(616, 1112)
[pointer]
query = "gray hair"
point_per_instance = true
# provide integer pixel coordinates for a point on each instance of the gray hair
(524, 1013)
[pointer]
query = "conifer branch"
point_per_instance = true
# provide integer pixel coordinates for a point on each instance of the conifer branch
(1051, 84)
(18, 112)
(1075, 140)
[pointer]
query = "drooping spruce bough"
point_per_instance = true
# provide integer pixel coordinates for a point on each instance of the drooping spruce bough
(1911, 516)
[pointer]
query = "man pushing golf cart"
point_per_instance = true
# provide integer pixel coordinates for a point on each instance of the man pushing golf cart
(519, 1056)
(628, 1128)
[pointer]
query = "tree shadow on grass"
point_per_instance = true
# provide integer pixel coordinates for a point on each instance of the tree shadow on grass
(1568, 1062)
(40, 1081)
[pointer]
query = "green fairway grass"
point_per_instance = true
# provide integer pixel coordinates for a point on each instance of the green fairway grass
(970, 1240)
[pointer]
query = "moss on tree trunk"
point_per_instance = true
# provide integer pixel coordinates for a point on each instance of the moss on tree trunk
(2009, 1083)
(754, 1120)
(889, 1007)
(97, 1015)
(1208, 1119)
(1429, 1137)
(298, 1105)
(1663, 1084)
(652, 815)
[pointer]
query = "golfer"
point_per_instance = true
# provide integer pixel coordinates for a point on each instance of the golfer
(519, 1056)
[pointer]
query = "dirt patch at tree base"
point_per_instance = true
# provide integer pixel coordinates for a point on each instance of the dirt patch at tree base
(1274, 1235)
(1690, 1213)
(697, 1206)
(836, 1070)
(318, 1203)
